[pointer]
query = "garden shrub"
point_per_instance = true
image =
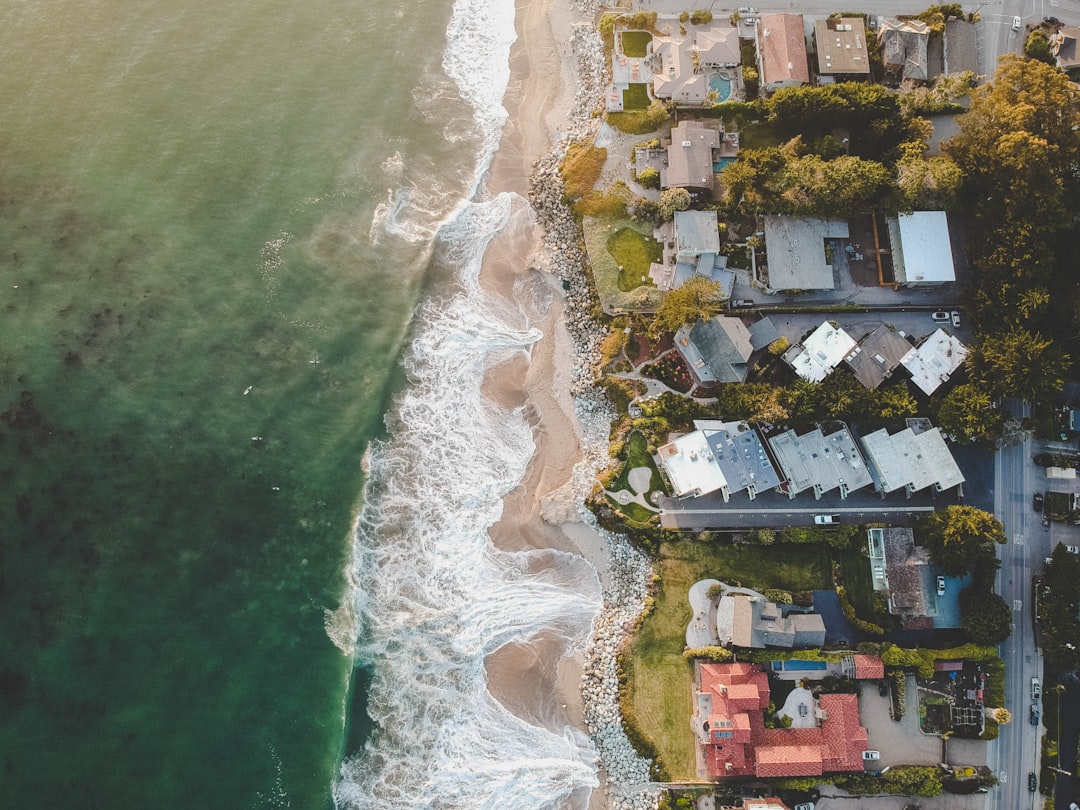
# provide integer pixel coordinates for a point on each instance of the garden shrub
(717, 655)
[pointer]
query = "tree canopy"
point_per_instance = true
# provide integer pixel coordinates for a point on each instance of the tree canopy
(985, 616)
(965, 413)
(1017, 363)
(699, 298)
(961, 538)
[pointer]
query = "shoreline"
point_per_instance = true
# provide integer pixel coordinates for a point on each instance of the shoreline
(555, 83)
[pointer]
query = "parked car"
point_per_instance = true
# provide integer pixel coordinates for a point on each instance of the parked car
(1033, 782)
(750, 20)
(826, 520)
(870, 756)
(1037, 502)
(805, 806)
(941, 316)
(747, 10)
(1017, 22)
(1034, 715)
(1072, 549)
(1051, 20)
(955, 319)
(1036, 689)
(941, 586)
(741, 303)
(872, 21)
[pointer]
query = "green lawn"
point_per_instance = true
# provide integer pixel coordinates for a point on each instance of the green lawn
(660, 680)
(637, 455)
(636, 97)
(634, 43)
(633, 252)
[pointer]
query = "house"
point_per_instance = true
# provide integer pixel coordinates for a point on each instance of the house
(1063, 47)
(822, 351)
(795, 250)
(691, 247)
(900, 570)
(717, 350)
(729, 728)
(820, 463)
(877, 356)
(781, 47)
(747, 619)
(921, 249)
(903, 48)
(717, 456)
(683, 65)
(933, 361)
(915, 458)
(961, 52)
(841, 49)
(692, 156)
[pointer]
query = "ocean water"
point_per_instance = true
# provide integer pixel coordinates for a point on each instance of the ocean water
(236, 240)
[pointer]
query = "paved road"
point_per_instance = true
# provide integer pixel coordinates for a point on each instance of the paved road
(710, 518)
(1015, 753)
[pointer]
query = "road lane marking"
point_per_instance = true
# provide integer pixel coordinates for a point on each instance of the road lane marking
(1018, 605)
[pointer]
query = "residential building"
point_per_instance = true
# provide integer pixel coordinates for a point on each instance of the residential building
(961, 52)
(841, 49)
(691, 247)
(717, 456)
(877, 356)
(934, 360)
(903, 48)
(682, 65)
(696, 234)
(781, 47)
(690, 159)
(822, 351)
(729, 726)
(820, 463)
(915, 458)
(747, 619)
(795, 251)
(717, 350)
(762, 803)
(901, 571)
(921, 249)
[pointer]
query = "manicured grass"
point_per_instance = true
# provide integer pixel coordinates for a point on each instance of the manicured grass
(606, 270)
(634, 43)
(633, 252)
(660, 680)
(637, 455)
(636, 97)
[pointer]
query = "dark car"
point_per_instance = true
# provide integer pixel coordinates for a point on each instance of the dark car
(1037, 502)
(1034, 715)
(1051, 20)
(1033, 782)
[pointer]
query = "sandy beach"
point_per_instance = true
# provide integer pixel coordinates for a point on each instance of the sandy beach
(538, 681)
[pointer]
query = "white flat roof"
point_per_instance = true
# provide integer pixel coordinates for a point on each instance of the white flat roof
(822, 351)
(927, 250)
(796, 251)
(691, 466)
(912, 460)
(934, 360)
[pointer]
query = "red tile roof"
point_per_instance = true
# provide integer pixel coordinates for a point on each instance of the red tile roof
(868, 667)
(740, 745)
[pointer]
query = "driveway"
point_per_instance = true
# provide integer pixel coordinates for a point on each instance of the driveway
(900, 743)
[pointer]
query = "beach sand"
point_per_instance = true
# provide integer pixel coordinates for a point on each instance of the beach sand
(538, 681)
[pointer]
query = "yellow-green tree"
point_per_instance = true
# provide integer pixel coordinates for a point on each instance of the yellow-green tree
(698, 299)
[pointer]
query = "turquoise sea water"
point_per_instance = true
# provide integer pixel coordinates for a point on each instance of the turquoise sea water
(196, 201)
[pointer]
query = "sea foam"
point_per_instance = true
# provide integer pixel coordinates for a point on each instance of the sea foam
(433, 597)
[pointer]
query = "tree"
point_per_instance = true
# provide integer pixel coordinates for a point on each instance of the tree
(672, 200)
(1038, 47)
(1017, 363)
(985, 616)
(960, 537)
(926, 182)
(965, 414)
(698, 299)
(649, 178)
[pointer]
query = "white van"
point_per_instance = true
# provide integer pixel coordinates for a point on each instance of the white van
(1017, 22)
(1036, 689)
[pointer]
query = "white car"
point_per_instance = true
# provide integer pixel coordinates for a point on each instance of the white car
(747, 10)
(940, 317)
(810, 806)
(941, 586)
(1017, 23)
(826, 520)
(869, 756)
(1073, 549)
(955, 319)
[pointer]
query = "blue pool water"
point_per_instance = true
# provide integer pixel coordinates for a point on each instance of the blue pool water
(721, 163)
(721, 85)
(797, 665)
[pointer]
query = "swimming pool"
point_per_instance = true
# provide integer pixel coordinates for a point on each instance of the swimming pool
(721, 163)
(798, 665)
(721, 85)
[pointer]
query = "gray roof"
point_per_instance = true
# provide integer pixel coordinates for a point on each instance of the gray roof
(905, 569)
(690, 156)
(911, 460)
(877, 356)
(796, 251)
(960, 53)
(696, 232)
(904, 47)
(762, 333)
(750, 621)
(724, 344)
(743, 460)
(819, 462)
